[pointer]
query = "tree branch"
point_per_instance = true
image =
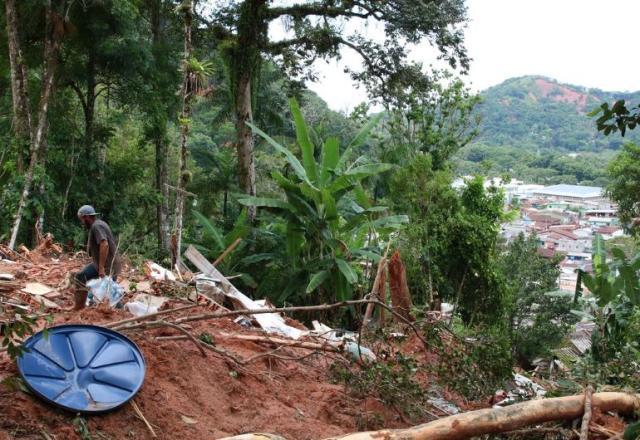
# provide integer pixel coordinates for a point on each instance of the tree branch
(321, 8)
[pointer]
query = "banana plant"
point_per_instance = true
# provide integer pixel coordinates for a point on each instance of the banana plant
(615, 290)
(329, 226)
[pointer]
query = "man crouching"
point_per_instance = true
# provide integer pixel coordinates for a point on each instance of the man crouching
(101, 247)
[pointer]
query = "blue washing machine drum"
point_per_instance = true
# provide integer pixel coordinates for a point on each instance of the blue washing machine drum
(82, 368)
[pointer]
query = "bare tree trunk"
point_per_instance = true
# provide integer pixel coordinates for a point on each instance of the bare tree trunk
(72, 169)
(51, 47)
(160, 141)
(21, 114)
(252, 31)
(493, 420)
(162, 179)
(187, 10)
(244, 114)
(90, 106)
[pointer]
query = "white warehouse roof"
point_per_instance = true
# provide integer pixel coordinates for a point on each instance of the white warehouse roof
(571, 191)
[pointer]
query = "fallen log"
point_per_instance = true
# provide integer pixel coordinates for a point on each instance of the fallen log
(494, 420)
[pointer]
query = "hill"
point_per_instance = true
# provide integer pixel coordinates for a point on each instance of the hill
(536, 112)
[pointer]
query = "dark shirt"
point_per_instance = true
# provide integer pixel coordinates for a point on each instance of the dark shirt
(100, 231)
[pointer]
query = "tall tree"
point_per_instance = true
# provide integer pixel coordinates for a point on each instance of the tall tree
(21, 114)
(107, 54)
(159, 103)
(537, 321)
(54, 31)
(316, 30)
(186, 7)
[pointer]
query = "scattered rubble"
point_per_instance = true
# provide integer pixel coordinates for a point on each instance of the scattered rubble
(213, 371)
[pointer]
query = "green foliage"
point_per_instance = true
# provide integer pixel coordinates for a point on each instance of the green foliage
(537, 321)
(326, 223)
(624, 188)
(20, 327)
(439, 123)
(615, 289)
(450, 246)
(391, 379)
(533, 165)
(471, 361)
(538, 113)
(617, 117)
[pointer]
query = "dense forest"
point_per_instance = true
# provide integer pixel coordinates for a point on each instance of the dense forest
(189, 123)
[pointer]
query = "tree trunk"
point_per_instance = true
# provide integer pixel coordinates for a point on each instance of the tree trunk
(246, 165)
(21, 114)
(187, 10)
(51, 47)
(160, 141)
(162, 179)
(252, 32)
(494, 420)
(90, 105)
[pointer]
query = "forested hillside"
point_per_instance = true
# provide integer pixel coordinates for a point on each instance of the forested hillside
(537, 129)
(534, 112)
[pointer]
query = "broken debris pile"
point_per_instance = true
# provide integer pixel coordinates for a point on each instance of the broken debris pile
(207, 377)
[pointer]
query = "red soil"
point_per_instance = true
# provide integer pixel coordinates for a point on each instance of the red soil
(186, 395)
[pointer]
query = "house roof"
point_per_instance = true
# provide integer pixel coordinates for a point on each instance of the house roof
(607, 229)
(565, 234)
(578, 191)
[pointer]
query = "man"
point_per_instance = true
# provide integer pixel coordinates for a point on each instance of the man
(102, 248)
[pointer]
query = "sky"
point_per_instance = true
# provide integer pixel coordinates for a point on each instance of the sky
(591, 43)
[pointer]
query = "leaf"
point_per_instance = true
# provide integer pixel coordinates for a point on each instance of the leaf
(361, 196)
(295, 240)
(391, 221)
(248, 280)
(210, 228)
(317, 279)
(240, 229)
(284, 183)
(330, 157)
(293, 161)
(362, 136)
(347, 271)
(367, 254)
(329, 205)
(618, 254)
(306, 146)
(188, 420)
(257, 258)
(594, 112)
(264, 202)
(368, 170)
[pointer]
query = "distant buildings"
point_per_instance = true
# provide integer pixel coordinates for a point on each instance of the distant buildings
(565, 220)
(584, 196)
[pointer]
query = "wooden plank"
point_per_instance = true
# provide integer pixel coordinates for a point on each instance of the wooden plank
(37, 289)
(271, 322)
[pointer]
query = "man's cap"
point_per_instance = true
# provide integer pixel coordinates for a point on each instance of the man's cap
(86, 210)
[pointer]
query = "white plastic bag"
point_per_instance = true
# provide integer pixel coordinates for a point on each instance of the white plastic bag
(137, 308)
(101, 288)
